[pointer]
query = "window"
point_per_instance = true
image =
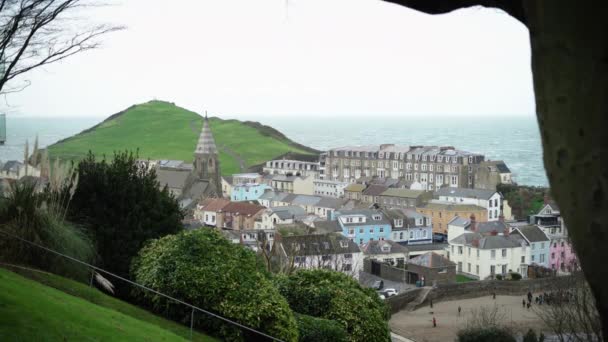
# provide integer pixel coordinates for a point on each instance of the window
(361, 230)
(493, 254)
(478, 254)
(381, 230)
(504, 269)
(347, 267)
(552, 255)
(477, 269)
(523, 259)
(348, 256)
(452, 249)
(469, 267)
(533, 245)
(542, 258)
(412, 236)
(351, 231)
(542, 245)
(469, 251)
(532, 257)
(371, 230)
(326, 258)
(492, 270)
(343, 244)
(401, 236)
(504, 253)
(459, 250)
(300, 259)
(360, 241)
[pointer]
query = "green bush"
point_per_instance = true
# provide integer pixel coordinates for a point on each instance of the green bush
(530, 336)
(313, 329)
(203, 268)
(336, 296)
(494, 334)
(515, 276)
(499, 276)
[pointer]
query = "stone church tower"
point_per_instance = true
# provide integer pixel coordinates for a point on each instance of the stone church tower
(206, 162)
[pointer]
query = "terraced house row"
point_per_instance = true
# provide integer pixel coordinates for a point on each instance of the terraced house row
(431, 167)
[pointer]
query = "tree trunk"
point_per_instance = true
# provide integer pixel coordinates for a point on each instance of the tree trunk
(570, 65)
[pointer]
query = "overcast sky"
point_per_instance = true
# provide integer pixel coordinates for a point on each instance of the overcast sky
(255, 58)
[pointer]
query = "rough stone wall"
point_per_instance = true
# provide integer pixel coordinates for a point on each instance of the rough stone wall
(432, 275)
(400, 301)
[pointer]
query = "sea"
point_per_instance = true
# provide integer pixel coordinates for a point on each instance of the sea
(516, 139)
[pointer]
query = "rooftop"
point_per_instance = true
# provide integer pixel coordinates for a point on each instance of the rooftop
(431, 260)
(376, 247)
(532, 233)
(403, 193)
(447, 206)
(242, 208)
(355, 187)
(321, 244)
(465, 193)
(374, 190)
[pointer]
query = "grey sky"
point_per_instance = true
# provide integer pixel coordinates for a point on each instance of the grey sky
(271, 57)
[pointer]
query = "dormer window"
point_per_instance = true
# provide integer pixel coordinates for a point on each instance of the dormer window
(386, 248)
(344, 244)
(398, 223)
(377, 217)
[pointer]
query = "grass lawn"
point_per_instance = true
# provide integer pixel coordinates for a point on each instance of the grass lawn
(161, 130)
(463, 279)
(53, 308)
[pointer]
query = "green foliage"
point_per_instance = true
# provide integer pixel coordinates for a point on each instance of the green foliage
(463, 279)
(204, 269)
(161, 130)
(122, 206)
(499, 277)
(524, 200)
(34, 312)
(515, 276)
(313, 329)
(30, 215)
(494, 334)
(336, 296)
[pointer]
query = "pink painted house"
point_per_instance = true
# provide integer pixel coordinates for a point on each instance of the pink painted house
(562, 258)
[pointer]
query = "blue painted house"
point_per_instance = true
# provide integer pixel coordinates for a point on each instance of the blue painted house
(364, 225)
(248, 192)
(539, 242)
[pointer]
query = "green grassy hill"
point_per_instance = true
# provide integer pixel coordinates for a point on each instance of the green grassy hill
(65, 310)
(162, 130)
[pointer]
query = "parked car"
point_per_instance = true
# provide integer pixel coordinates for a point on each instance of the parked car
(438, 237)
(389, 292)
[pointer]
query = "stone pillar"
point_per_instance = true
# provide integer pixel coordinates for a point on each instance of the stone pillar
(569, 43)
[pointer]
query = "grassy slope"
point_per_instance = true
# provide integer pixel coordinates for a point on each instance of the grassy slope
(162, 130)
(30, 311)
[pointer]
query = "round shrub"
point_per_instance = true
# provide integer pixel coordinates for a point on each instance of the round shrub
(335, 296)
(313, 329)
(499, 277)
(203, 268)
(515, 276)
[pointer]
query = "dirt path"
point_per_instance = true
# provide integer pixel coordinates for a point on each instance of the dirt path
(418, 324)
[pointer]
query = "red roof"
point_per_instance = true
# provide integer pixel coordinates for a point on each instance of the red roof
(214, 204)
(242, 208)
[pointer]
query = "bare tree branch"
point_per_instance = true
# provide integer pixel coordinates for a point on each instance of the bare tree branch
(34, 33)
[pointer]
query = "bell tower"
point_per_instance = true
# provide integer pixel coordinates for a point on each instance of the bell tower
(206, 159)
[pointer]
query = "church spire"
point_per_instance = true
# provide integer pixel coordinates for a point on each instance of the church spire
(206, 143)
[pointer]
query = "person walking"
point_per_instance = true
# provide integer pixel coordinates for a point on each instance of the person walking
(459, 310)
(431, 300)
(493, 295)
(434, 322)
(523, 303)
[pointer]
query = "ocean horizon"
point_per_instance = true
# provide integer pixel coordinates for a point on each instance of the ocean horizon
(516, 140)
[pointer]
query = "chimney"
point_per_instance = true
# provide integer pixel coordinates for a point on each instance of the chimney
(494, 233)
(473, 223)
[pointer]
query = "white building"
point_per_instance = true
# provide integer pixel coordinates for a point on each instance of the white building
(14, 169)
(206, 211)
(280, 215)
(292, 167)
(484, 256)
(329, 188)
(329, 251)
(386, 251)
(489, 199)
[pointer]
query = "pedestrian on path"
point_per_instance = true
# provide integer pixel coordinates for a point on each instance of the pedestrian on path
(459, 310)
(434, 322)
(493, 295)
(523, 303)
(431, 302)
